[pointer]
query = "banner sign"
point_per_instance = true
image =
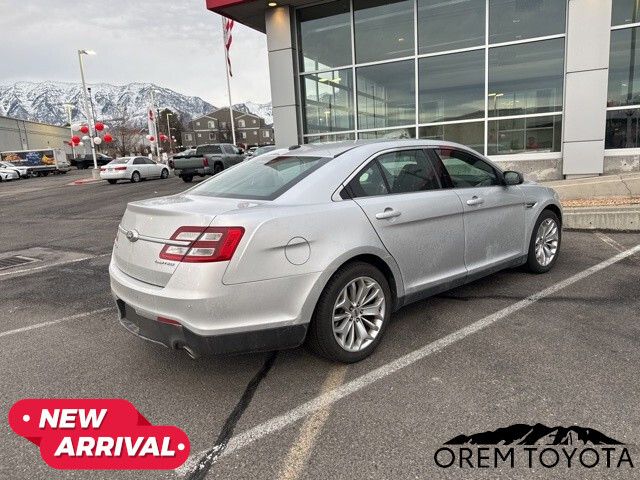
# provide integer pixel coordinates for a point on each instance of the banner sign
(97, 434)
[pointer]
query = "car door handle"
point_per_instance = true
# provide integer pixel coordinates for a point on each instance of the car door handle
(475, 201)
(388, 213)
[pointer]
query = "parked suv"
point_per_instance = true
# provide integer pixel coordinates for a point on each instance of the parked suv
(86, 161)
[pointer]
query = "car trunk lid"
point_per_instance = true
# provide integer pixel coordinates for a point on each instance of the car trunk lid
(148, 225)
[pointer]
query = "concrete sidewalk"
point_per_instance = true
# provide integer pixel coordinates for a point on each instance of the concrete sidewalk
(609, 202)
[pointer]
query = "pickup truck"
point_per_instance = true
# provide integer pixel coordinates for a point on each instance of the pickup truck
(205, 160)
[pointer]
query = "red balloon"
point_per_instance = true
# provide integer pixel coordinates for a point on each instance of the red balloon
(163, 138)
(108, 138)
(152, 138)
(99, 126)
(75, 139)
(84, 129)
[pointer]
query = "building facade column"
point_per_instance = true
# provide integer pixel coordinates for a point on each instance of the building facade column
(586, 84)
(283, 71)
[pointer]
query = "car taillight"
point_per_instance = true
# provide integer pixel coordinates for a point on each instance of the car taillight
(121, 168)
(206, 244)
(205, 162)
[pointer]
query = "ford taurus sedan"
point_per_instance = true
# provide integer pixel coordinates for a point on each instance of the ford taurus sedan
(322, 243)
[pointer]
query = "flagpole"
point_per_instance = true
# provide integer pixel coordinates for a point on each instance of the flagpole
(226, 65)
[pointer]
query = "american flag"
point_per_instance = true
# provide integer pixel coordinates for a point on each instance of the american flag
(227, 26)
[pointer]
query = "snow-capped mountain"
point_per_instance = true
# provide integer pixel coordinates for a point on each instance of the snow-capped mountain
(44, 101)
(260, 109)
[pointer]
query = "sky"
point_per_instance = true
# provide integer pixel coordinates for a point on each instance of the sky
(175, 44)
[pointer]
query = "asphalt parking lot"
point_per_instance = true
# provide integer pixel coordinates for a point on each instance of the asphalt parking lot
(513, 348)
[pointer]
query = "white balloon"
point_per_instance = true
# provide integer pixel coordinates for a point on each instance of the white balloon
(80, 144)
(97, 140)
(106, 127)
(86, 138)
(75, 127)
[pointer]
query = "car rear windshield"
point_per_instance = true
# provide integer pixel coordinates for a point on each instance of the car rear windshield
(120, 160)
(260, 179)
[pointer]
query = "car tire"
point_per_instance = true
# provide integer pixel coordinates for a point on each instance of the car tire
(544, 245)
(112, 181)
(217, 168)
(164, 174)
(135, 177)
(324, 337)
(187, 178)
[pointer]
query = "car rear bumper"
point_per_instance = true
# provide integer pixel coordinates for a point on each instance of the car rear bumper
(122, 175)
(181, 338)
(265, 315)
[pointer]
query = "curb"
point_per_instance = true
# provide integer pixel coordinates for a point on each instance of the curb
(616, 218)
(86, 181)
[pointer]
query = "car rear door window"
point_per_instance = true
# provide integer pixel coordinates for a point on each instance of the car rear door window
(408, 171)
(467, 170)
(369, 182)
(139, 161)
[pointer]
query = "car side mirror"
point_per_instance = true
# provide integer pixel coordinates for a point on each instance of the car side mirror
(513, 178)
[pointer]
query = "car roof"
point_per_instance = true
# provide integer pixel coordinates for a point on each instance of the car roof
(334, 149)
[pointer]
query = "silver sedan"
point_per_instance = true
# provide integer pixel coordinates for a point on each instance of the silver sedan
(322, 243)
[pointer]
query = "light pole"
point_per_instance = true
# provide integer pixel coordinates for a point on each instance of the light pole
(68, 107)
(169, 132)
(92, 132)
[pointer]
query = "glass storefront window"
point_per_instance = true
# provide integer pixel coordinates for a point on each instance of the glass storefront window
(325, 36)
(397, 133)
(525, 135)
(526, 78)
(328, 101)
(446, 26)
(624, 68)
(451, 87)
(623, 129)
(625, 11)
(339, 137)
(383, 30)
(511, 20)
(386, 95)
(469, 134)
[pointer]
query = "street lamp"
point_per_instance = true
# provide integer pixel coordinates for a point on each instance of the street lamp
(92, 131)
(68, 107)
(169, 132)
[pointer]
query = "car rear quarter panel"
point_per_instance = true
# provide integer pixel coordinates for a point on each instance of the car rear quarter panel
(331, 233)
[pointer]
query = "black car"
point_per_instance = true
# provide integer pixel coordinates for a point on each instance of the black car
(86, 161)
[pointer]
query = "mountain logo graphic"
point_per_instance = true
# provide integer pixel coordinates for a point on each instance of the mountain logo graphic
(538, 434)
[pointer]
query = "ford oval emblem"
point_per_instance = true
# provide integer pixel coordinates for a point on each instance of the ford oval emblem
(133, 235)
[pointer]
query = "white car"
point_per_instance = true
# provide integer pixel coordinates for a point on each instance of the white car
(6, 174)
(133, 169)
(23, 172)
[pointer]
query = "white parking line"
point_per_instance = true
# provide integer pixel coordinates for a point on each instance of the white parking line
(55, 264)
(54, 322)
(610, 241)
(322, 401)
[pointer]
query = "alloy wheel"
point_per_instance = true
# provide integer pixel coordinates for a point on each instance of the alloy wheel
(358, 314)
(547, 239)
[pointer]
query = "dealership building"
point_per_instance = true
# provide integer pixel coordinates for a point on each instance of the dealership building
(547, 87)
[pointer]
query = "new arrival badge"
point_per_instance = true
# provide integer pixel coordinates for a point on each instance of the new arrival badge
(97, 434)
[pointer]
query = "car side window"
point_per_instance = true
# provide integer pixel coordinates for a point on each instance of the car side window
(467, 170)
(369, 182)
(138, 161)
(408, 171)
(148, 161)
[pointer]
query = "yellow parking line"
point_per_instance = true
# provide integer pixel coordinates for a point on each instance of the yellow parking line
(300, 451)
